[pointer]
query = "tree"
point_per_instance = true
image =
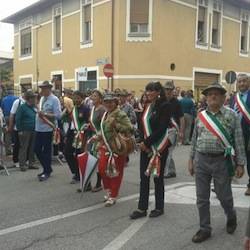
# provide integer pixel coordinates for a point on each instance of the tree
(5, 75)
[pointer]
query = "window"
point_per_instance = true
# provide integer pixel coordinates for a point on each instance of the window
(26, 42)
(244, 36)
(202, 25)
(25, 28)
(139, 17)
(216, 33)
(57, 27)
(86, 22)
(90, 83)
(57, 82)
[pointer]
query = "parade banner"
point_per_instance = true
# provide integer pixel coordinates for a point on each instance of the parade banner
(244, 109)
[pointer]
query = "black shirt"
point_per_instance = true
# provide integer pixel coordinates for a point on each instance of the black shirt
(176, 110)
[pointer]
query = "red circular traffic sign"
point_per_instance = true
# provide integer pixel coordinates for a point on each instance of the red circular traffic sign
(108, 70)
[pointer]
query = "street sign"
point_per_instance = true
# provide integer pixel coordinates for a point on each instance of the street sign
(108, 70)
(102, 61)
(82, 75)
(230, 77)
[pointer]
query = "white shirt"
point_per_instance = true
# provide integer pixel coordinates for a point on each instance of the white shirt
(15, 106)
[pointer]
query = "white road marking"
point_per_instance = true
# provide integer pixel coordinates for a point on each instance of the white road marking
(126, 235)
(172, 196)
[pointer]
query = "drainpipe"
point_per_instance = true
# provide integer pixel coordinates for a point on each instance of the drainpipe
(112, 39)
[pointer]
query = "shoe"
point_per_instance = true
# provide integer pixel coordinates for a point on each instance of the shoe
(247, 193)
(40, 174)
(96, 189)
(89, 188)
(33, 167)
(110, 202)
(74, 181)
(201, 236)
(17, 165)
(170, 175)
(79, 190)
(23, 168)
(106, 197)
(44, 177)
(231, 225)
(155, 213)
(138, 214)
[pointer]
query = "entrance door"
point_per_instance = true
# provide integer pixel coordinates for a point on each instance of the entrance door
(202, 80)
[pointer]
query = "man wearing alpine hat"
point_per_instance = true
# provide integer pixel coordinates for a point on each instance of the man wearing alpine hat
(49, 111)
(241, 105)
(217, 152)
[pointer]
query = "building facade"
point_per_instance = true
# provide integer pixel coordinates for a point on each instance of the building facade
(193, 42)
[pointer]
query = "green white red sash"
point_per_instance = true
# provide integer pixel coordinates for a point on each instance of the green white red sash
(79, 128)
(111, 155)
(244, 109)
(157, 148)
(217, 129)
(163, 142)
(91, 120)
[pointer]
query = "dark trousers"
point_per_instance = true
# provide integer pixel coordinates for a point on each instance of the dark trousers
(145, 183)
(70, 154)
(43, 150)
(246, 134)
(16, 146)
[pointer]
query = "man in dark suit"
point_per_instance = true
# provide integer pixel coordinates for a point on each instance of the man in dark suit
(241, 105)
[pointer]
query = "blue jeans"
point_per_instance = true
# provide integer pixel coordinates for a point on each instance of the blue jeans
(43, 150)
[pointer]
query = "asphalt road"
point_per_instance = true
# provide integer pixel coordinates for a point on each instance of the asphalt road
(52, 215)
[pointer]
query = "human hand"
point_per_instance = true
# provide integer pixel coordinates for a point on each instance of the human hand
(239, 171)
(191, 167)
(143, 147)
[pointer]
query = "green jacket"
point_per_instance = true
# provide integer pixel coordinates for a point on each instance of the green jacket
(118, 121)
(25, 118)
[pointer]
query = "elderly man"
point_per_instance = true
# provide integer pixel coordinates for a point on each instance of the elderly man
(241, 105)
(49, 111)
(217, 140)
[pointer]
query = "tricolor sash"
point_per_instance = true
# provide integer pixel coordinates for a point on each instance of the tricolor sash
(217, 129)
(157, 148)
(244, 109)
(92, 122)
(79, 128)
(111, 170)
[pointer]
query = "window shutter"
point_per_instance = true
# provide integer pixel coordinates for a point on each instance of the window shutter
(87, 13)
(139, 11)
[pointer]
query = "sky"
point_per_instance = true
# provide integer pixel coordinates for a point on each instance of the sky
(9, 7)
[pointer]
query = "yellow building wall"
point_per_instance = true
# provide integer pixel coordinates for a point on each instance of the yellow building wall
(174, 28)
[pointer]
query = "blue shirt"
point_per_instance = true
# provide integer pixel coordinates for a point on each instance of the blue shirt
(187, 105)
(50, 104)
(7, 103)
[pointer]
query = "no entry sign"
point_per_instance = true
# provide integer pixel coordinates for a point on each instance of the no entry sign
(108, 70)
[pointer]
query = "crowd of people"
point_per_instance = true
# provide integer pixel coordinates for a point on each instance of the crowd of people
(112, 125)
